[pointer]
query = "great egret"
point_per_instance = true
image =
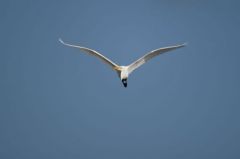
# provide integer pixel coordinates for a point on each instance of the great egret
(125, 71)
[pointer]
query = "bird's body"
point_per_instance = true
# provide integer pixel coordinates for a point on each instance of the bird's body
(124, 71)
(124, 75)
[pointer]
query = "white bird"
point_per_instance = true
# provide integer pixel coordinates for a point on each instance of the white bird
(124, 71)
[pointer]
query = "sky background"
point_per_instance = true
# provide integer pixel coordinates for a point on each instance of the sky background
(58, 103)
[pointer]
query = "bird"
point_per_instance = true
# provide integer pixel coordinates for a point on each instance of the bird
(124, 71)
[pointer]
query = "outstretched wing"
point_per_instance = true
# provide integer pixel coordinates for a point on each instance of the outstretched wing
(150, 55)
(94, 53)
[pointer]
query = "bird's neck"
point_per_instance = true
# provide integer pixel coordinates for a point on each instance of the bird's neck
(124, 72)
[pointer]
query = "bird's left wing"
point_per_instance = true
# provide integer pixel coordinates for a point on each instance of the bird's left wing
(150, 55)
(93, 53)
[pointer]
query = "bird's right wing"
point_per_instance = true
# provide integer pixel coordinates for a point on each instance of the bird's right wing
(94, 53)
(150, 55)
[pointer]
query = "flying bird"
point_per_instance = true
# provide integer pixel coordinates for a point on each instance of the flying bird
(124, 71)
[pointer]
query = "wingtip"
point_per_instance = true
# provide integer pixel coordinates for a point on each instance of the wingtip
(60, 40)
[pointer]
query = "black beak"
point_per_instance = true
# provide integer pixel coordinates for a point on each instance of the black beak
(124, 81)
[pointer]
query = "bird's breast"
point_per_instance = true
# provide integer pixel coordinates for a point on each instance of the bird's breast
(124, 74)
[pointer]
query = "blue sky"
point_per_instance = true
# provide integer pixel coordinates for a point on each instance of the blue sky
(57, 102)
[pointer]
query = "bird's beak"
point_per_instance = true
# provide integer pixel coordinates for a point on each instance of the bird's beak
(124, 81)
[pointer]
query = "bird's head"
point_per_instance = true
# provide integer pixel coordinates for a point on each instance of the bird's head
(124, 81)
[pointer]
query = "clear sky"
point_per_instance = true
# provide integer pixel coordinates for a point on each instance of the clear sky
(58, 103)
